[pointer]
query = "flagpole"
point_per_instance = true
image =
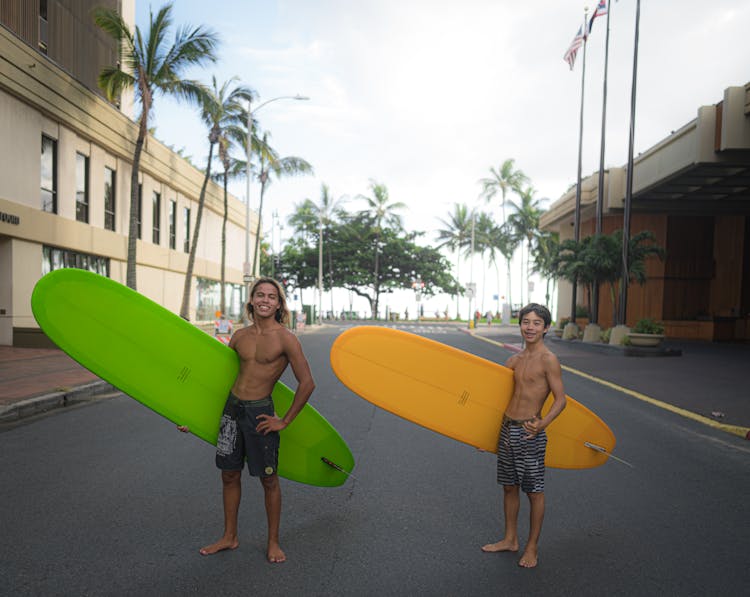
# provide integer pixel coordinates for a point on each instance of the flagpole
(629, 181)
(577, 216)
(600, 190)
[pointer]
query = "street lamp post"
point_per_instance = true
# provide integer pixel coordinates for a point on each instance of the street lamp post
(248, 268)
(472, 288)
(320, 269)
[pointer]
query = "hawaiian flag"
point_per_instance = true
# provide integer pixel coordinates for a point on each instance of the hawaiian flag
(570, 55)
(600, 11)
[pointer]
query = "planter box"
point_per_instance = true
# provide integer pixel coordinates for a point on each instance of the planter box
(637, 339)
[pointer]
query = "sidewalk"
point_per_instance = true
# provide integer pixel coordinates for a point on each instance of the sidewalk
(35, 380)
(707, 382)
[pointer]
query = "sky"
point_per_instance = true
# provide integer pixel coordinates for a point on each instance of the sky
(425, 96)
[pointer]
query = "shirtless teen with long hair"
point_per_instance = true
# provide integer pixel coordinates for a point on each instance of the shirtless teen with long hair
(249, 426)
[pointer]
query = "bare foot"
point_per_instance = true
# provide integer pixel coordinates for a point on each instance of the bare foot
(275, 555)
(504, 545)
(530, 558)
(220, 545)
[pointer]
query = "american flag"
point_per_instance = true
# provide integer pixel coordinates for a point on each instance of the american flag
(570, 55)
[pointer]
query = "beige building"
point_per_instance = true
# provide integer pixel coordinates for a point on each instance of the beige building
(692, 190)
(65, 167)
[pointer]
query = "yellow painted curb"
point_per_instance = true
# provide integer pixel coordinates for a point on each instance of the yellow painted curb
(733, 429)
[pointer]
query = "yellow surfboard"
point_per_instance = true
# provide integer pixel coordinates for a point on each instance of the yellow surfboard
(457, 394)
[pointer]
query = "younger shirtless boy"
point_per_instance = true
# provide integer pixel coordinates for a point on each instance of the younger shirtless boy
(523, 441)
(249, 426)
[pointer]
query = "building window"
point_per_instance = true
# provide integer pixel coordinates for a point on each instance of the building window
(156, 234)
(109, 198)
(54, 258)
(82, 188)
(172, 224)
(186, 244)
(43, 26)
(49, 175)
(208, 297)
(139, 210)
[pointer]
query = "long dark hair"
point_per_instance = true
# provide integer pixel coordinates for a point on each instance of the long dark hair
(282, 313)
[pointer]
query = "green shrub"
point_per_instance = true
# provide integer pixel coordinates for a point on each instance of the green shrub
(648, 326)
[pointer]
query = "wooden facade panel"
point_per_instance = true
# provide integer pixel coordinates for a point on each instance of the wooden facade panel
(726, 289)
(74, 42)
(690, 248)
(22, 18)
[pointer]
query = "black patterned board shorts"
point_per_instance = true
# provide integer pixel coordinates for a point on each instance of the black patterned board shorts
(520, 461)
(240, 440)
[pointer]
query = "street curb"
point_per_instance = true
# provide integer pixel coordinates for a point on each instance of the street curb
(40, 404)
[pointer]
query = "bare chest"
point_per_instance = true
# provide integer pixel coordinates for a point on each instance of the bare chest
(262, 350)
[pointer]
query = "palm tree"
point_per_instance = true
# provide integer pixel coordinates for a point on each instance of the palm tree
(545, 261)
(640, 248)
(501, 180)
(232, 135)
(329, 209)
(525, 223)
(382, 212)
(456, 235)
(271, 163)
(598, 259)
(151, 65)
(484, 229)
(304, 219)
(221, 107)
(503, 243)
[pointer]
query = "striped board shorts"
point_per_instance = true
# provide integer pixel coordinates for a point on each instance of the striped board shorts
(520, 461)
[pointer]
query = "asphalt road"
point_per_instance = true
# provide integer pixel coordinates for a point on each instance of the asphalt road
(109, 499)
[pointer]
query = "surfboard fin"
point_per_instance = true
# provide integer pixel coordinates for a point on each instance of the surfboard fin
(337, 467)
(609, 455)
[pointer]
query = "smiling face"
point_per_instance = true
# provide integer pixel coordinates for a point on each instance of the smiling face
(534, 321)
(267, 300)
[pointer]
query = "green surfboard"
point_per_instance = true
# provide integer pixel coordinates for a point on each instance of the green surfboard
(172, 367)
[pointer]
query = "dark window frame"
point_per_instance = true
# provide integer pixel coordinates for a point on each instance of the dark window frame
(83, 200)
(172, 224)
(49, 204)
(156, 217)
(110, 207)
(186, 222)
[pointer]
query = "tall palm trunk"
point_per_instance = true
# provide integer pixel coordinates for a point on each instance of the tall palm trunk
(185, 308)
(330, 269)
(458, 273)
(130, 279)
(256, 253)
(522, 303)
(510, 293)
(223, 300)
(376, 284)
